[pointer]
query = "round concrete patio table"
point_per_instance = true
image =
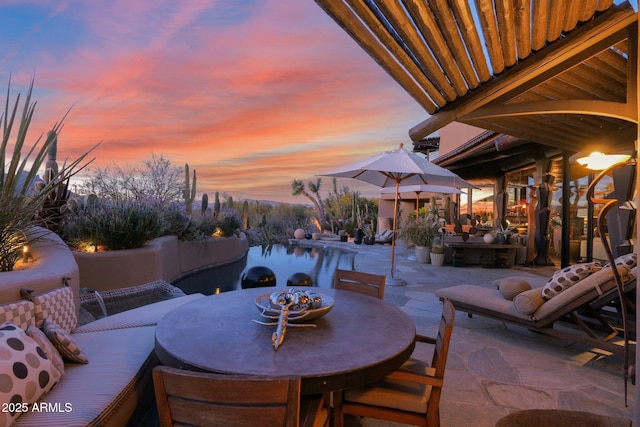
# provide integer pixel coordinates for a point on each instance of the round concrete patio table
(360, 340)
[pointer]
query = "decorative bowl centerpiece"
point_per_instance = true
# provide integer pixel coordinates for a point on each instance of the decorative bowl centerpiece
(306, 305)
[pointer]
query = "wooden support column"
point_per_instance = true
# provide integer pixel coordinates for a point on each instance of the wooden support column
(543, 210)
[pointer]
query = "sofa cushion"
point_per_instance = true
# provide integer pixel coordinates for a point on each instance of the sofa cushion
(528, 302)
(94, 392)
(567, 277)
(20, 313)
(57, 305)
(26, 374)
(147, 315)
(50, 350)
(64, 342)
(509, 288)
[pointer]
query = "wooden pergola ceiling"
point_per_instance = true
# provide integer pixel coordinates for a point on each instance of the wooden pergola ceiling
(559, 73)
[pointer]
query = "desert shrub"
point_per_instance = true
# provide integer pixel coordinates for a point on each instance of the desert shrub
(228, 223)
(112, 224)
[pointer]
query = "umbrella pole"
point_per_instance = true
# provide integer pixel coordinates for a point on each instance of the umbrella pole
(394, 281)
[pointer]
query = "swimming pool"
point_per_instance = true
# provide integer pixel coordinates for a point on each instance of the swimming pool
(319, 263)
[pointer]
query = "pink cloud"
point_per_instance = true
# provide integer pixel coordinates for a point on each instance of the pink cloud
(276, 93)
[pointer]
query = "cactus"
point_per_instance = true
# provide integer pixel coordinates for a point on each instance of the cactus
(189, 192)
(51, 168)
(216, 205)
(245, 215)
(205, 203)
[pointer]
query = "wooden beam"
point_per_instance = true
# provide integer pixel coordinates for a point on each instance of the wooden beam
(487, 16)
(467, 26)
(539, 24)
(351, 24)
(506, 30)
(587, 10)
(579, 45)
(379, 30)
(556, 19)
(449, 30)
(426, 23)
(523, 27)
(571, 17)
(409, 35)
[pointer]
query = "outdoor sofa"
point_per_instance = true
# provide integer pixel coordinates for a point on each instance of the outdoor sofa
(118, 349)
(577, 293)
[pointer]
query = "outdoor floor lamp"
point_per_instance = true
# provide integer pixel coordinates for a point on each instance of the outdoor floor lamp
(606, 163)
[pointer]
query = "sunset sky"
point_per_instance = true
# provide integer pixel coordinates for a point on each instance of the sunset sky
(250, 93)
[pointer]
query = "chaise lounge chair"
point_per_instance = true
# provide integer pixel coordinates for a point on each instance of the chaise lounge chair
(530, 310)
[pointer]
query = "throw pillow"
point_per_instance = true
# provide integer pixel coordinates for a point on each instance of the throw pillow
(64, 342)
(58, 306)
(20, 313)
(627, 260)
(52, 353)
(528, 302)
(26, 374)
(511, 287)
(567, 277)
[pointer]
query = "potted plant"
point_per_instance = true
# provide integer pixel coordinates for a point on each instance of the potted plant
(420, 232)
(502, 234)
(437, 254)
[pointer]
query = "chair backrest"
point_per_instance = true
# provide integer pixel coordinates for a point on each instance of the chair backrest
(357, 281)
(207, 399)
(439, 361)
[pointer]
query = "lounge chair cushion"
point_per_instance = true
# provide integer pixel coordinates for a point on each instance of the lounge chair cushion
(50, 350)
(57, 305)
(21, 313)
(27, 373)
(509, 288)
(403, 395)
(567, 277)
(528, 302)
(64, 342)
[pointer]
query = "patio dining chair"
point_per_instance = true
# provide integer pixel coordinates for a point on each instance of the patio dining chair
(357, 281)
(410, 394)
(207, 399)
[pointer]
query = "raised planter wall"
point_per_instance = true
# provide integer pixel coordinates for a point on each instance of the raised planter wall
(164, 258)
(52, 261)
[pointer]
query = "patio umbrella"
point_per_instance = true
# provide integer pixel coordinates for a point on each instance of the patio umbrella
(417, 189)
(395, 167)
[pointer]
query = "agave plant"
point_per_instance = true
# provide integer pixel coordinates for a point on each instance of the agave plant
(21, 202)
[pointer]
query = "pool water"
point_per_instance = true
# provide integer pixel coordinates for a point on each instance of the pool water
(319, 263)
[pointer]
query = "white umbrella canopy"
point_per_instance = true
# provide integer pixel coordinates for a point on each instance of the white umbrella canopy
(425, 188)
(399, 165)
(395, 167)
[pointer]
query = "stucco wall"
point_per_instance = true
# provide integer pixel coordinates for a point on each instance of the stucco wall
(52, 261)
(164, 258)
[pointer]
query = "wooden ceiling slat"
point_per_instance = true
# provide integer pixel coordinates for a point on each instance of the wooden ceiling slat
(523, 27)
(449, 30)
(467, 26)
(489, 26)
(539, 24)
(398, 19)
(427, 25)
(410, 67)
(506, 29)
(604, 5)
(584, 89)
(610, 64)
(352, 25)
(587, 10)
(571, 18)
(556, 19)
